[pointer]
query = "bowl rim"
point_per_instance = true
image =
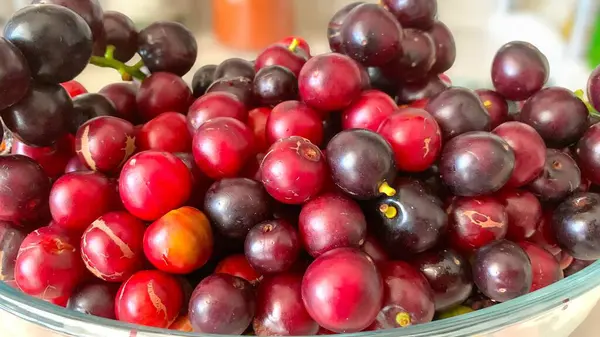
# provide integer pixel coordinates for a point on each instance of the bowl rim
(62, 320)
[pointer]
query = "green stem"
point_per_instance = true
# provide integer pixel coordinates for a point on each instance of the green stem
(128, 73)
(591, 110)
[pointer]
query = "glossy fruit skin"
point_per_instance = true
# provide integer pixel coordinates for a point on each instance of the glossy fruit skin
(167, 46)
(96, 299)
(495, 104)
(524, 212)
(415, 62)
(379, 81)
(415, 137)
(475, 222)
(575, 226)
(331, 221)
(592, 88)
(112, 246)
(373, 248)
(406, 292)
(368, 111)
(222, 304)
(53, 159)
(240, 87)
(54, 55)
(293, 171)
(445, 47)
(74, 88)
(257, 121)
(79, 198)
(87, 107)
(519, 70)
(123, 97)
(529, 150)
(105, 143)
(502, 271)
(414, 13)
(40, 118)
(121, 33)
(561, 176)
(15, 74)
(167, 132)
(544, 266)
(163, 92)
(180, 242)
(272, 246)
(11, 238)
(360, 161)
(588, 153)
(150, 298)
(421, 91)
(74, 165)
(329, 82)
(294, 118)
(235, 205)
(279, 308)
(238, 265)
(448, 275)
(371, 35)
(48, 265)
(281, 55)
(152, 183)
(334, 27)
(212, 105)
(557, 115)
(235, 67)
(330, 278)
(476, 163)
(544, 235)
(457, 111)
(203, 78)
(275, 84)
(222, 146)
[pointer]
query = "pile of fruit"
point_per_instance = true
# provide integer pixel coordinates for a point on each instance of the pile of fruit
(293, 194)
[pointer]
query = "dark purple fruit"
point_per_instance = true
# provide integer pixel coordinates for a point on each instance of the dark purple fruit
(588, 154)
(422, 90)
(416, 59)
(576, 226)
(15, 74)
(272, 246)
(203, 78)
(560, 177)
(96, 299)
(335, 26)
(413, 13)
(233, 68)
(275, 84)
(89, 106)
(445, 47)
(240, 87)
(11, 238)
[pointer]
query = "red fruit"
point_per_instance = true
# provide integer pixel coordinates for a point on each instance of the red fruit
(53, 159)
(200, 182)
(342, 290)
(74, 165)
(180, 242)
(331, 221)
(79, 198)
(123, 96)
(293, 118)
(167, 132)
(368, 111)
(279, 308)
(529, 150)
(74, 88)
(415, 137)
(544, 234)
(153, 183)
(408, 298)
(283, 54)
(163, 92)
(112, 246)
(374, 249)
(150, 298)
(329, 82)
(272, 246)
(213, 105)
(545, 268)
(294, 170)
(495, 105)
(222, 146)
(105, 143)
(257, 121)
(238, 265)
(524, 211)
(475, 222)
(48, 264)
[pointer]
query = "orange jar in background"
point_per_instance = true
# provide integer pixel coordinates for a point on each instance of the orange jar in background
(252, 24)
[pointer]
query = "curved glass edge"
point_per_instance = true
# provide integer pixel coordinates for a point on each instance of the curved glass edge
(62, 320)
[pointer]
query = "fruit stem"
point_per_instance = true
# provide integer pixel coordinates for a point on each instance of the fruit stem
(389, 211)
(128, 73)
(294, 44)
(591, 110)
(386, 189)
(403, 319)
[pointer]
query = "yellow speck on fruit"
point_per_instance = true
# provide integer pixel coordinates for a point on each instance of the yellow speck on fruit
(386, 189)
(403, 319)
(389, 211)
(487, 103)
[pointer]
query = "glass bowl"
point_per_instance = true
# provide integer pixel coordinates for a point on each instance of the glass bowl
(553, 311)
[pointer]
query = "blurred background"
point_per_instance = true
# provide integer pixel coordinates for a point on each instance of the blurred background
(567, 31)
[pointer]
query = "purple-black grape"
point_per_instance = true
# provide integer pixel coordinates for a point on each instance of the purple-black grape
(167, 46)
(576, 226)
(96, 299)
(121, 33)
(413, 13)
(15, 77)
(334, 27)
(445, 47)
(233, 68)
(561, 177)
(203, 78)
(88, 106)
(275, 84)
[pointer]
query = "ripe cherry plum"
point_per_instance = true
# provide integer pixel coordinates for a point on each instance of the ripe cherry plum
(416, 60)
(222, 304)
(234, 67)
(203, 78)
(53, 158)
(560, 177)
(519, 70)
(112, 246)
(413, 13)
(238, 265)
(476, 163)
(275, 84)
(445, 47)
(212, 105)
(544, 266)
(257, 121)
(334, 27)
(288, 55)
(96, 299)
(74, 165)
(361, 163)
(11, 238)
(449, 276)
(502, 271)
(524, 212)
(235, 205)
(167, 46)
(150, 298)
(495, 104)
(458, 110)
(272, 246)
(294, 118)
(123, 96)
(368, 111)
(163, 92)
(587, 152)
(343, 290)
(152, 183)
(167, 132)
(331, 221)
(576, 227)
(294, 170)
